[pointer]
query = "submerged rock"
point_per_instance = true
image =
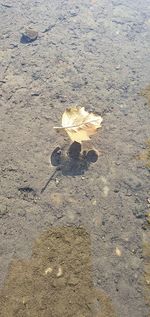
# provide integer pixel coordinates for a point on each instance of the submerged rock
(29, 35)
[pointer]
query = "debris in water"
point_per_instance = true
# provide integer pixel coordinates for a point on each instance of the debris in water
(80, 124)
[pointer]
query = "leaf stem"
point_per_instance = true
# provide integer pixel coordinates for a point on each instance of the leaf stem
(77, 126)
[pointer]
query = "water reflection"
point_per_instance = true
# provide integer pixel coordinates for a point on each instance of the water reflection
(56, 281)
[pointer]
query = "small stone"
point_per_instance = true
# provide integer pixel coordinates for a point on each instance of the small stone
(13, 45)
(73, 13)
(35, 94)
(116, 190)
(128, 194)
(57, 181)
(94, 202)
(117, 67)
(29, 35)
(24, 301)
(138, 213)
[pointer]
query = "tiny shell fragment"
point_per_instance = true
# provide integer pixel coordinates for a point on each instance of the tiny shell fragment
(48, 270)
(59, 272)
(118, 252)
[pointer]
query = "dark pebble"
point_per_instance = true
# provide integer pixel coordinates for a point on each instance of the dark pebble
(29, 35)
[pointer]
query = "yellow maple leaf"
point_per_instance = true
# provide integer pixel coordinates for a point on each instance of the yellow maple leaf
(80, 124)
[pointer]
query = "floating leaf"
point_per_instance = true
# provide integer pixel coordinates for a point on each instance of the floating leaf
(80, 124)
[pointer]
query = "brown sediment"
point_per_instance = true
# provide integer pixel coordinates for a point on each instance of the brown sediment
(56, 280)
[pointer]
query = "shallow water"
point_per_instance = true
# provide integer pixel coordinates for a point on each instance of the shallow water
(95, 54)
